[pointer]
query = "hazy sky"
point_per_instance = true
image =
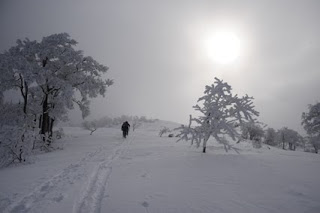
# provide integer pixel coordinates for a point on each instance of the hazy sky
(158, 58)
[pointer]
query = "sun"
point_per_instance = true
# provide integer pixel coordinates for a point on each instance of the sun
(223, 47)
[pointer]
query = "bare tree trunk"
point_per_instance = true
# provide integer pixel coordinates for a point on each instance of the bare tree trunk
(92, 131)
(205, 145)
(51, 126)
(204, 149)
(45, 117)
(40, 121)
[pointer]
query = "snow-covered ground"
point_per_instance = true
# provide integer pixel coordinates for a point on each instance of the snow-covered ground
(146, 173)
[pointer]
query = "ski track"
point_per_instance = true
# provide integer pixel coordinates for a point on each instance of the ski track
(52, 190)
(92, 195)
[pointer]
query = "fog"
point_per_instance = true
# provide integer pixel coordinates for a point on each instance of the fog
(156, 54)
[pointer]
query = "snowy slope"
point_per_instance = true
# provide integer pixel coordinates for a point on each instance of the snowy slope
(146, 173)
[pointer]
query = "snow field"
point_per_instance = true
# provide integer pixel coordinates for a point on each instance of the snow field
(148, 173)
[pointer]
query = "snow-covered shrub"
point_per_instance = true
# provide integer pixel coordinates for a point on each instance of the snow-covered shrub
(16, 144)
(221, 114)
(164, 130)
(18, 134)
(58, 134)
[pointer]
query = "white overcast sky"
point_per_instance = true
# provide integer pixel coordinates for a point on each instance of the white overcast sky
(157, 57)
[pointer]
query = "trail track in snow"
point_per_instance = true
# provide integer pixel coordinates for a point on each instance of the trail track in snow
(52, 190)
(92, 195)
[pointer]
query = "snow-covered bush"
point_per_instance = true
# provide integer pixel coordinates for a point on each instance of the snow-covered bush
(221, 114)
(18, 134)
(164, 130)
(16, 144)
(58, 134)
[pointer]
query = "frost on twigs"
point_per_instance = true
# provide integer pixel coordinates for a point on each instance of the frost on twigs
(221, 113)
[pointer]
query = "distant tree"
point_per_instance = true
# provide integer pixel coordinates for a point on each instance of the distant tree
(290, 137)
(252, 131)
(270, 137)
(135, 123)
(311, 123)
(221, 114)
(106, 121)
(92, 126)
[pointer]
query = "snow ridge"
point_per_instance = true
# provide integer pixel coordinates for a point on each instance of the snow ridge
(92, 194)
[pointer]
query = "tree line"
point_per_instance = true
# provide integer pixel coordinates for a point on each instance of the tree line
(135, 122)
(224, 115)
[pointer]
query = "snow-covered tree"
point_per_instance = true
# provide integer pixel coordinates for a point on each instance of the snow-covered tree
(92, 126)
(270, 137)
(315, 142)
(135, 123)
(252, 131)
(221, 114)
(311, 120)
(311, 123)
(290, 137)
(53, 75)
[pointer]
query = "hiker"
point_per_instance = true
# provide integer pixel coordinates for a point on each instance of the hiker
(125, 128)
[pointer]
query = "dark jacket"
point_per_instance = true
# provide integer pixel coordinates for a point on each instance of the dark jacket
(125, 126)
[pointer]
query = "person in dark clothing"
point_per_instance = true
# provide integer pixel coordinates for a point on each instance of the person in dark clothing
(125, 129)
